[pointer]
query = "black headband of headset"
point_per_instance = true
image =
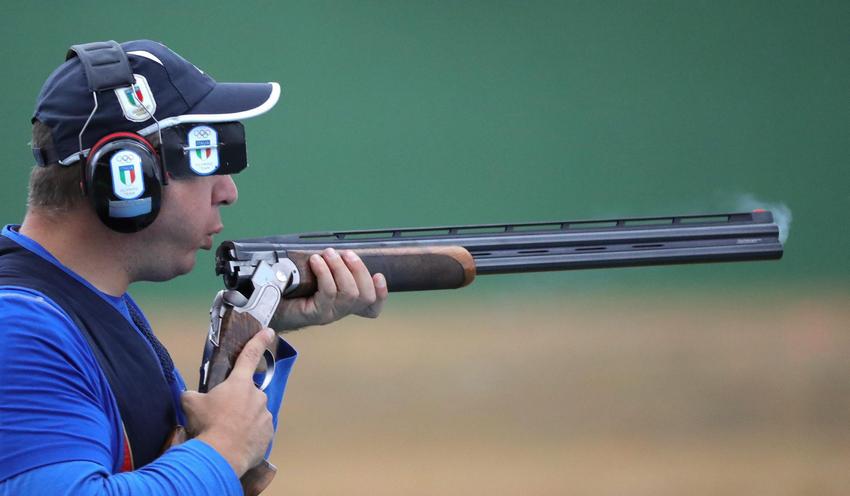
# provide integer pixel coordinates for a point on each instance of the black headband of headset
(105, 64)
(106, 67)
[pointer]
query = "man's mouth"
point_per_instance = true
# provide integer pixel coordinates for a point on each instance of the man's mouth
(208, 238)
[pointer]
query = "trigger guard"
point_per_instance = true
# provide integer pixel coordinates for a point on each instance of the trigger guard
(234, 298)
(268, 356)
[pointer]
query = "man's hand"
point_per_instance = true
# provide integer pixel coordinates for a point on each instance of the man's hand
(345, 287)
(233, 417)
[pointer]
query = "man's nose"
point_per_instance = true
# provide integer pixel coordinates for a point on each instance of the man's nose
(225, 192)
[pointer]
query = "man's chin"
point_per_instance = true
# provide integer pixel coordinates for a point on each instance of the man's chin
(167, 273)
(208, 242)
(187, 266)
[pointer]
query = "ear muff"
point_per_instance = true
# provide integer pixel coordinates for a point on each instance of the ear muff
(123, 180)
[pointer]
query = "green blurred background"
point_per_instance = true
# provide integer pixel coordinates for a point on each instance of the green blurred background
(402, 114)
(399, 114)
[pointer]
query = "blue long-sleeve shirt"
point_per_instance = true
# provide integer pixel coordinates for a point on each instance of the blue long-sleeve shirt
(60, 428)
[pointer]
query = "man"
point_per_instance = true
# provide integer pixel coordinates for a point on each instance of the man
(135, 147)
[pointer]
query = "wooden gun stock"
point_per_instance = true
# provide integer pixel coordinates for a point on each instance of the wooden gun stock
(236, 330)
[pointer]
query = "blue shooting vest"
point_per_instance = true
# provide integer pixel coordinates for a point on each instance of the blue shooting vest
(135, 375)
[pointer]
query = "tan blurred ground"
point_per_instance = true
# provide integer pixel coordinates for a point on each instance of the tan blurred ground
(653, 395)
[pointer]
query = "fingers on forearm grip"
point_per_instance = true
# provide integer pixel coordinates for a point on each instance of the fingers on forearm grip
(343, 278)
(362, 278)
(345, 287)
(324, 278)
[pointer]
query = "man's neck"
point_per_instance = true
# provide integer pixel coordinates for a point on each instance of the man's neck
(83, 245)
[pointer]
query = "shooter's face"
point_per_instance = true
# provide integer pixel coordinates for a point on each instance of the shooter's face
(188, 220)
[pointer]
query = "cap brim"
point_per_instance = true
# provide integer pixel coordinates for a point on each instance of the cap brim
(237, 101)
(226, 102)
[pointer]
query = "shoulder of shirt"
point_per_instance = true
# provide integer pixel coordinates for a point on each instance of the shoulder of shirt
(20, 305)
(17, 295)
(10, 232)
(38, 335)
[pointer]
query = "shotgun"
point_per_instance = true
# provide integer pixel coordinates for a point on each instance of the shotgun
(258, 272)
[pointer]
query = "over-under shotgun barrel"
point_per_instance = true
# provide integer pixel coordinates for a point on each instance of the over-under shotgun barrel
(411, 259)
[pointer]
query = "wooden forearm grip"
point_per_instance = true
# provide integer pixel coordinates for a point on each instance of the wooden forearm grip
(406, 269)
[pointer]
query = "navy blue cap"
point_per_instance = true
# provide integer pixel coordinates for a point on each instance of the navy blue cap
(167, 86)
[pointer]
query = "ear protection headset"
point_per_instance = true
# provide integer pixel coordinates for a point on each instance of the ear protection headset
(122, 175)
(123, 180)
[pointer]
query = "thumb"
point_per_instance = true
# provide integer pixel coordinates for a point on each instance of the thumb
(249, 358)
(188, 400)
(192, 405)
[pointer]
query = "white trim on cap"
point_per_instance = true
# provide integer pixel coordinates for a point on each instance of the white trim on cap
(147, 55)
(191, 118)
(233, 116)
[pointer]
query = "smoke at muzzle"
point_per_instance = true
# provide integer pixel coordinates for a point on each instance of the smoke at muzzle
(781, 213)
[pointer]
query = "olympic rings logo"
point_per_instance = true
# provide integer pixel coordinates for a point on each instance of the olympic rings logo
(125, 158)
(202, 132)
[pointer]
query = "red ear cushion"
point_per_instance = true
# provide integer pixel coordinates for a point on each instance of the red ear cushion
(122, 134)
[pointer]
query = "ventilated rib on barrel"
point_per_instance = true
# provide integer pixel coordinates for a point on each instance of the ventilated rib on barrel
(510, 248)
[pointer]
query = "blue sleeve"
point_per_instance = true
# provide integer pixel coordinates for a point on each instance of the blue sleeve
(60, 430)
(192, 468)
(55, 405)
